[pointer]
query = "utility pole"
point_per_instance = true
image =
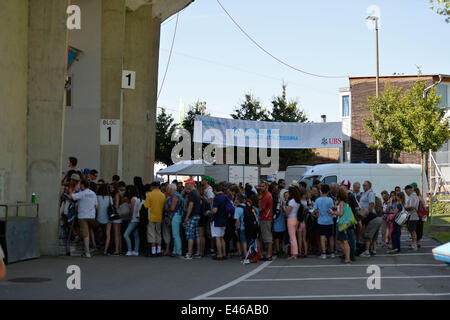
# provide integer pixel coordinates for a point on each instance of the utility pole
(374, 18)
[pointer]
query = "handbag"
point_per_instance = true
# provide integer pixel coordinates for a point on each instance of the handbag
(124, 210)
(112, 212)
(401, 217)
(359, 211)
(347, 219)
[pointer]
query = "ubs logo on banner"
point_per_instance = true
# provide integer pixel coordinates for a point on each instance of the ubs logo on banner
(327, 141)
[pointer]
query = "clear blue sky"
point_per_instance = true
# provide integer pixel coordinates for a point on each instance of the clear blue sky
(214, 62)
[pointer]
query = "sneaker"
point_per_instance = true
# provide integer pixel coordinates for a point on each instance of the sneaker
(323, 256)
(332, 256)
(245, 261)
(365, 254)
(129, 253)
(87, 255)
(196, 256)
(187, 257)
(116, 254)
(344, 262)
(373, 253)
(394, 251)
(414, 247)
(135, 253)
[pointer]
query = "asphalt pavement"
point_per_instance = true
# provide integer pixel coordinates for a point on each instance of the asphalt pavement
(407, 275)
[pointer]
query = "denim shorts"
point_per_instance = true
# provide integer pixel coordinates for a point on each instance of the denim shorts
(242, 237)
(192, 228)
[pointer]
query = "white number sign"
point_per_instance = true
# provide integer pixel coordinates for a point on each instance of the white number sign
(109, 131)
(128, 79)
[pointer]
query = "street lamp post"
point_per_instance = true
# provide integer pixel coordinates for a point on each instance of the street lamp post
(374, 18)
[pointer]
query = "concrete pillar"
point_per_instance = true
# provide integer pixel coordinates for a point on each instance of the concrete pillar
(13, 106)
(47, 58)
(113, 40)
(142, 35)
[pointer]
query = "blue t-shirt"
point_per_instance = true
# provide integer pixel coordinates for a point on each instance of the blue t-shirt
(221, 216)
(323, 204)
(279, 224)
(239, 214)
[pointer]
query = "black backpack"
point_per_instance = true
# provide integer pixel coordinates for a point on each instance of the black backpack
(301, 213)
(251, 224)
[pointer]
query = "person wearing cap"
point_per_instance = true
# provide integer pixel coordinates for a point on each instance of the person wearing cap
(411, 205)
(154, 202)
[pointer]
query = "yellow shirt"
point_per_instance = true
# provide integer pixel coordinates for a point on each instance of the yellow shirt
(155, 201)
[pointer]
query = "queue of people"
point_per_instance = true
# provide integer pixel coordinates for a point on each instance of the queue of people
(193, 219)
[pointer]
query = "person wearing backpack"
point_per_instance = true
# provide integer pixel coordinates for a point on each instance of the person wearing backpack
(342, 209)
(411, 205)
(302, 215)
(239, 215)
(266, 219)
(422, 212)
(371, 220)
(220, 217)
(291, 210)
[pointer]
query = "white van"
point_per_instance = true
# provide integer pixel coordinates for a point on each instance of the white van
(382, 176)
(293, 173)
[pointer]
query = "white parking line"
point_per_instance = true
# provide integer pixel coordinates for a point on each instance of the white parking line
(365, 265)
(404, 254)
(232, 283)
(346, 278)
(339, 296)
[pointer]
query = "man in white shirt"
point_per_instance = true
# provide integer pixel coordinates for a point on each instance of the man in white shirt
(87, 203)
(209, 194)
(411, 205)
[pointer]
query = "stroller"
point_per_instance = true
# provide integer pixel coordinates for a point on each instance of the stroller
(251, 226)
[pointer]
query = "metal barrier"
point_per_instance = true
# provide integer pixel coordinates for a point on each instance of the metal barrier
(19, 235)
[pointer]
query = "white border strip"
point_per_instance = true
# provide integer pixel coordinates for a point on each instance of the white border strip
(233, 283)
(363, 265)
(340, 296)
(347, 278)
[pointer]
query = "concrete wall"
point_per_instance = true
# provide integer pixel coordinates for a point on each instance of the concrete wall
(81, 125)
(47, 56)
(142, 34)
(13, 100)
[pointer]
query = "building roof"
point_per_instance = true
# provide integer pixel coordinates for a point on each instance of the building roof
(435, 77)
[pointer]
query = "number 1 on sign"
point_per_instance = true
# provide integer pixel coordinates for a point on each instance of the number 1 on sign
(129, 79)
(109, 133)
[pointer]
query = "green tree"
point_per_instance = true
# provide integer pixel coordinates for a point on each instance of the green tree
(165, 126)
(442, 7)
(424, 125)
(198, 108)
(381, 125)
(284, 110)
(250, 109)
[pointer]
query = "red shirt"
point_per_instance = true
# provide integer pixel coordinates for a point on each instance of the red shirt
(266, 207)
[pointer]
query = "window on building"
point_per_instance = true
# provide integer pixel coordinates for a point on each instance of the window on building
(345, 106)
(442, 90)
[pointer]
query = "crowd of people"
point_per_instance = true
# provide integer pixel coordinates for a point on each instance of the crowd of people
(193, 219)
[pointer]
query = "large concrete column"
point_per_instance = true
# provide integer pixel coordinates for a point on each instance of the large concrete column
(47, 50)
(142, 35)
(113, 40)
(13, 97)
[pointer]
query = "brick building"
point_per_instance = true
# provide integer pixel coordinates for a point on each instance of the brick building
(356, 139)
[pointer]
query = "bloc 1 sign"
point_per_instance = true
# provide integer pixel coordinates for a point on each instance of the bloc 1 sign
(109, 131)
(128, 79)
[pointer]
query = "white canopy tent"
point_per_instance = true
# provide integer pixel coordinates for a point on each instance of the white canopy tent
(184, 168)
